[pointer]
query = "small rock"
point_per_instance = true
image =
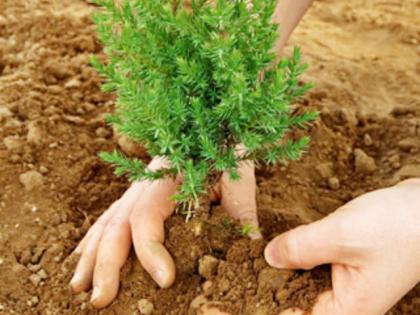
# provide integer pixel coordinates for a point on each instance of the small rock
(207, 286)
(43, 170)
(34, 268)
(198, 301)
(74, 119)
(131, 147)
(12, 143)
(81, 297)
(15, 158)
(13, 123)
(325, 170)
(31, 180)
(4, 113)
(394, 160)
(347, 116)
(367, 140)
(363, 162)
(333, 183)
(35, 279)
(197, 227)
(25, 256)
(72, 83)
(34, 135)
(42, 274)
(403, 110)
(408, 171)
(33, 301)
(145, 307)
(102, 132)
(207, 266)
(37, 255)
(224, 286)
(409, 143)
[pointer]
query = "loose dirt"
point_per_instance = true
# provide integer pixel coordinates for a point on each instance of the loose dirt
(364, 58)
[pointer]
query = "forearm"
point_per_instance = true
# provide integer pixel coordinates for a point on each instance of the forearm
(288, 14)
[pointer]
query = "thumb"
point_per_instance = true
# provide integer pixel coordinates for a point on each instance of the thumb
(307, 246)
(238, 198)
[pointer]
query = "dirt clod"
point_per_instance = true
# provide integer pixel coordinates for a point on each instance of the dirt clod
(12, 143)
(35, 279)
(273, 278)
(130, 147)
(325, 170)
(367, 140)
(409, 144)
(145, 307)
(207, 266)
(33, 301)
(5, 113)
(34, 135)
(31, 180)
(333, 183)
(363, 162)
(198, 301)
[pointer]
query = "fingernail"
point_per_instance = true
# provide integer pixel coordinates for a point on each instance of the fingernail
(160, 278)
(95, 294)
(270, 254)
(76, 280)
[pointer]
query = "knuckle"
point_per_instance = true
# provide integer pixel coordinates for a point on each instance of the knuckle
(292, 251)
(116, 223)
(247, 214)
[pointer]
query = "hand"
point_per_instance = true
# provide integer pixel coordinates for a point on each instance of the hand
(373, 243)
(138, 218)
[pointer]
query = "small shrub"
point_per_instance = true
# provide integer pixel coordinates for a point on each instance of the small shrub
(193, 82)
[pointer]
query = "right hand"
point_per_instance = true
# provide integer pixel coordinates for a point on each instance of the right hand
(373, 243)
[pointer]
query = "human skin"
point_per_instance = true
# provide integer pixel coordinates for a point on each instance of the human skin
(137, 218)
(373, 244)
(370, 267)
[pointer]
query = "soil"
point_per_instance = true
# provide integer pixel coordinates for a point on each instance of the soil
(364, 58)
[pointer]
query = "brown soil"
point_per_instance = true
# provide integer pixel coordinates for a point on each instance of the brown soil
(364, 58)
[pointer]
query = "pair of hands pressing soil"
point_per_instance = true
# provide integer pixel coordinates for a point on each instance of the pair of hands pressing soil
(371, 242)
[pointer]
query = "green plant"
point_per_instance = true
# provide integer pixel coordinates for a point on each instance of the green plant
(227, 223)
(247, 229)
(195, 81)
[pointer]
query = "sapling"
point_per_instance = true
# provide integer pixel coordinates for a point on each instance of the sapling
(194, 82)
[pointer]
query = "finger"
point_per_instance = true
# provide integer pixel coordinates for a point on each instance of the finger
(130, 194)
(82, 279)
(308, 246)
(238, 198)
(83, 275)
(363, 291)
(103, 219)
(113, 251)
(147, 225)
